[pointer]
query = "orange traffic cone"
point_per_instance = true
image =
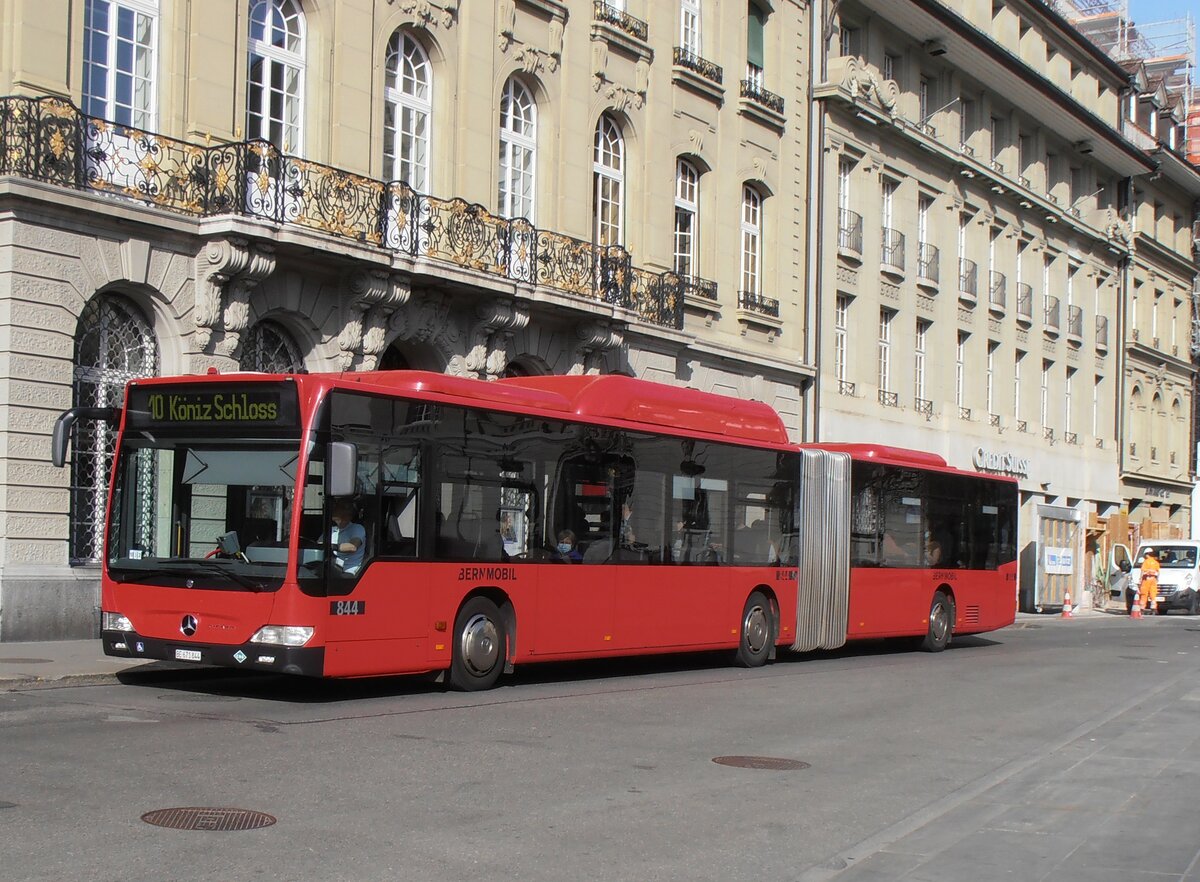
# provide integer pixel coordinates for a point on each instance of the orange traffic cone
(1066, 613)
(1135, 611)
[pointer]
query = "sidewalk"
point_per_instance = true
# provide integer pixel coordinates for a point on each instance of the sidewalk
(54, 661)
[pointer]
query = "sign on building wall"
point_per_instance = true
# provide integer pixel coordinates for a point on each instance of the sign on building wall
(1059, 561)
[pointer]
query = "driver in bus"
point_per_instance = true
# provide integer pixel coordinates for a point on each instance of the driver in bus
(348, 539)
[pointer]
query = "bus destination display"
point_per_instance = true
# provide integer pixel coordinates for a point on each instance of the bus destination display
(212, 405)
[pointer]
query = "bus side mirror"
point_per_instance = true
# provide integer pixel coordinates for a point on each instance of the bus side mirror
(341, 469)
(66, 422)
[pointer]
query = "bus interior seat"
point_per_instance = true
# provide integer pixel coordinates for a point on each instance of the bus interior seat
(598, 551)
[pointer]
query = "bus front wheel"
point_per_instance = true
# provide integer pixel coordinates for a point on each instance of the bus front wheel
(941, 623)
(757, 632)
(479, 646)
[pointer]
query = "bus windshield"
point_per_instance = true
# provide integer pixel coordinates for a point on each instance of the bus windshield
(203, 515)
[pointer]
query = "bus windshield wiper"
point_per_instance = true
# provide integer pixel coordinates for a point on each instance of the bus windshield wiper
(180, 566)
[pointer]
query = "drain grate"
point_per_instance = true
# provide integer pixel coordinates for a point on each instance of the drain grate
(217, 820)
(25, 661)
(770, 763)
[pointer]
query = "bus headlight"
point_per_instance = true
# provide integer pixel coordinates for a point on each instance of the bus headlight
(111, 621)
(283, 635)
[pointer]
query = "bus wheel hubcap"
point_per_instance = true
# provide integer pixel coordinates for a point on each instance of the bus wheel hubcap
(480, 645)
(940, 620)
(756, 628)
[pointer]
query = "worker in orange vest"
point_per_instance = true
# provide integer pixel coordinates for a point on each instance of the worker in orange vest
(1148, 587)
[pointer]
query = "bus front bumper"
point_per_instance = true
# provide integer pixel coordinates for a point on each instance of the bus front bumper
(306, 662)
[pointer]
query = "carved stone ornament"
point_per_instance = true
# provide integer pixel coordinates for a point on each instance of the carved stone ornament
(430, 13)
(506, 19)
(622, 97)
(227, 271)
(594, 339)
(369, 298)
(498, 320)
(1118, 230)
(862, 82)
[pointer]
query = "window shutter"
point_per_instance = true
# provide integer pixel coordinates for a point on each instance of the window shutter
(754, 36)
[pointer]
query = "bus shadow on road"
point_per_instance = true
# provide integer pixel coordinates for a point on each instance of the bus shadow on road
(223, 684)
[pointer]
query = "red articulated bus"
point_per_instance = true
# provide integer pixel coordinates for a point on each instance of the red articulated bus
(350, 525)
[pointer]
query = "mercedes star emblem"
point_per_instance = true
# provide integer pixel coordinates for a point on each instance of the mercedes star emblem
(188, 626)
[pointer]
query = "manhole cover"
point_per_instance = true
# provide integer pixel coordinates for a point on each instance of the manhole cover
(771, 763)
(25, 661)
(209, 819)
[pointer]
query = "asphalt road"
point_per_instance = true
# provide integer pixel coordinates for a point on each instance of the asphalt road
(1055, 749)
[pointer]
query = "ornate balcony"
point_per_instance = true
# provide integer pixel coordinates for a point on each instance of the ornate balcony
(1048, 434)
(923, 406)
(1102, 333)
(759, 303)
(968, 274)
(701, 289)
(1075, 325)
(754, 92)
(845, 387)
(1070, 438)
(964, 413)
(889, 399)
(1024, 303)
(994, 420)
(997, 292)
(927, 262)
(892, 255)
(619, 19)
(850, 232)
(1022, 425)
(697, 65)
(50, 140)
(1050, 315)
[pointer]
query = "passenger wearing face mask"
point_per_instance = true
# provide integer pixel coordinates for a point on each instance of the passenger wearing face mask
(566, 547)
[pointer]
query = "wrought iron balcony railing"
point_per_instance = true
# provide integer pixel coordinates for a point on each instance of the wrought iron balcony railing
(703, 289)
(927, 262)
(889, 399)
(50, 140)
(1070, 438)
(964, 413)
(892, 255)
(845, 387)
(1133, 448)
(1102, 333)
(850, 230)
(1048, 434)
(1024, 303)
(1022, 425)
(752, 91)
(994, 420)
(997, 291)
(1050, 313)
(620, 19)
(923, 405)
(968, 274)
(702, 66)
(1075, 323)
(763, 305)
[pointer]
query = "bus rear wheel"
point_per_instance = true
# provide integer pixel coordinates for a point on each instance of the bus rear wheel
(480, 646)
(757, 632)
(941, 623)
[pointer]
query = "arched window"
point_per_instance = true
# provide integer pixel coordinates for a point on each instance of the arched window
(114, 344)
(608, 173)
(407, 112)
(751, 240)
(275, 81)
(687, 208)
(518, 152)
(270, 349)
(120, 51)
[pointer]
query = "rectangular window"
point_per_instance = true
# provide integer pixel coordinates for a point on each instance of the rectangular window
(998, 137)
(1018, 357)
(885, 349)
(922, 341)
(755, 55)
(924, 204)
(967, 124)
(1067, 391)
(991, 375)
(689, 26)
(687, 183)
(889, 200)
(1044, 414)
(891, 68)
(960, 370)
(841, 317)
(120, 41)
(924, 96)
(1096, 384)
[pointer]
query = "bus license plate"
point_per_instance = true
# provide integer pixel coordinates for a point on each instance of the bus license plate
(187, 654)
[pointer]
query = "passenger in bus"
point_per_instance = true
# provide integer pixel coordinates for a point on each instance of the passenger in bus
(566, 547)
(626, 535)
(348, 539)
(933, 551)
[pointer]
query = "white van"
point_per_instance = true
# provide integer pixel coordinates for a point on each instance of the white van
(1178, 578)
